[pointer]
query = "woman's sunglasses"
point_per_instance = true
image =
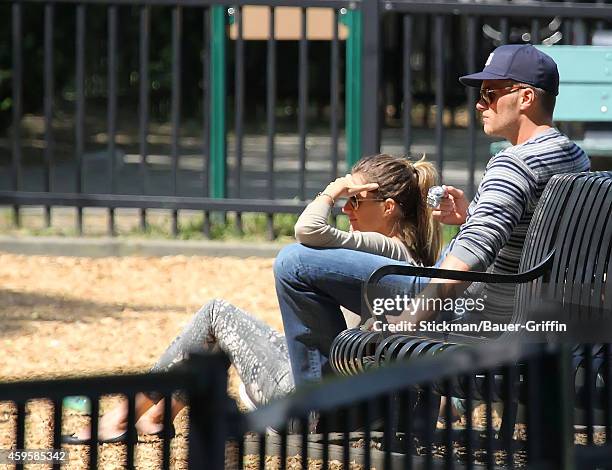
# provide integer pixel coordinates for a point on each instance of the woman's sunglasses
(488, 95)
(354, 200)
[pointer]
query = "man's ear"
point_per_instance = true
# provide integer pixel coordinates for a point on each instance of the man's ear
(528, 97)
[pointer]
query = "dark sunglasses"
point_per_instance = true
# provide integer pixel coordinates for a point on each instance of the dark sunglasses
(489, 95)
(354, 200)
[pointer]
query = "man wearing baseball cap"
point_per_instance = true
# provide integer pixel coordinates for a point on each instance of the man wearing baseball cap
(518, 86)
(518, 89)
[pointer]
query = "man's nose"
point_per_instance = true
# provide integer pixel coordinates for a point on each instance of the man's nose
(480, 105)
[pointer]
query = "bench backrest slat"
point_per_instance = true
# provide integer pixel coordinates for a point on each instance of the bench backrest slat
(573, 218)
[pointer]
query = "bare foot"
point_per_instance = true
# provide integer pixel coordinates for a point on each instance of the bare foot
(152, 421)
(114, 422)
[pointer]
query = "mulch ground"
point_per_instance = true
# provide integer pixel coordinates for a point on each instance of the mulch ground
(63, 316)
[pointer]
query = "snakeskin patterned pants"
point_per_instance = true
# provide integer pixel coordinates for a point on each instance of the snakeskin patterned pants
(258, 353)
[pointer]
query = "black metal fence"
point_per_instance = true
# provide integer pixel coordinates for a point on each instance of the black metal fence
(385, 418)
(388, 418)
(202, 378)
(154, 107)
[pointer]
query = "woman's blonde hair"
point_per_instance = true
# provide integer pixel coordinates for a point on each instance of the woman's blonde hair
(407, 182)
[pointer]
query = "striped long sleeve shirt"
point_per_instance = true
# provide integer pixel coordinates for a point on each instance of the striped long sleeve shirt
(493, 235)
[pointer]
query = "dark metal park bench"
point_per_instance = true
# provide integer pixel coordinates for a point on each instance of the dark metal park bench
(567, 259)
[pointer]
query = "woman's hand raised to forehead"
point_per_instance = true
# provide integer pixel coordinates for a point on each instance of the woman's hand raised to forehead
(346, 186)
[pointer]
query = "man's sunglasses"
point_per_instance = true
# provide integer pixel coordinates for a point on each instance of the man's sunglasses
(489, 95)
(354, 200)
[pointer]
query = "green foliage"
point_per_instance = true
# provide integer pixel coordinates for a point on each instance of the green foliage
(448, 232)
(254, 227)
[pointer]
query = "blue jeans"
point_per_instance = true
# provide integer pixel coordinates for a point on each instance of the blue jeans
(311, 285)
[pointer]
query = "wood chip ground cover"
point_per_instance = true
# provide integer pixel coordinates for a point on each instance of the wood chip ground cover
(62, 316)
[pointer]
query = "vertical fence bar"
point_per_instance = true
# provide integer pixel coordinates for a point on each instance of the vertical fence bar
(132, 437)
(240, 452)
(427, 68)
(353, 84)
(388, 429)
(588, 392)
(303, 102)
(208, 411)
(449, 462)
(607, 401)
(439, 64)
(488, 395)
(206, 113)
(167, 427)
(346, 437)
(93, 441)
(112, 105)
(367, 434)
(370, 116)
(324, 430)
(567, 28)
(504, 30)
(239, 104)
(471, 97)
(80, 107)
(283, 449)
(533, 404)
(143, 115)
(20, 431)
(304, 441)
(600, 24)
(334, 94)
(509, 417)
(177, 32)
(218, 136)
(406, 425)
(407, 84)
(17, 103)
(580, 34)
(535, 31)
(270, 110)
(57, 429)
(557, 386)
(429, 428)
(48, 100)
(262, 451)
(469, 412)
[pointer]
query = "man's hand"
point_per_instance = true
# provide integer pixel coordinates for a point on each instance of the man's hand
(452, 209)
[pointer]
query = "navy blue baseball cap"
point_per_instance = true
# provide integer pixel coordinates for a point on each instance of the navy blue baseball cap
(519, 62)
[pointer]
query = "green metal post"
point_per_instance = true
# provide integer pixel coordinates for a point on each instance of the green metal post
(217, 171)
(353, 84)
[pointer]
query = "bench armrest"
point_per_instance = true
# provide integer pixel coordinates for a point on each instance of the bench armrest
(469, 276)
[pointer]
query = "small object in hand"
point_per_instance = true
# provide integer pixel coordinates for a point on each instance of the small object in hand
(435, 196)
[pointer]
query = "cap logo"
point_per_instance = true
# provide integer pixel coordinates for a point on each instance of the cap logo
(489, 59)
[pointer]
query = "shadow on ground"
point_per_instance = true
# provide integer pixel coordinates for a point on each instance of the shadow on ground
(19, 309)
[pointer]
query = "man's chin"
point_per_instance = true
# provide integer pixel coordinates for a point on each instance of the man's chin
(491, 132)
